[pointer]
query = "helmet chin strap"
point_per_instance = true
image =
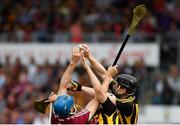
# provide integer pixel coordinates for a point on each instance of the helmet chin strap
(75, 110)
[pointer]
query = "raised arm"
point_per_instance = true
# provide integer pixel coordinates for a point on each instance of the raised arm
(100, 90)
(66, 78)
(90, 91)
(96, 65)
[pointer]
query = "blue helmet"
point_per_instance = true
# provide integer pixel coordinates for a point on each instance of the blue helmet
(63, 104)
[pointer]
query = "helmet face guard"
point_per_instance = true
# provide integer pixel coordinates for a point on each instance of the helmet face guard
(75, 110)
(113, 89)
(63, 104)
(126, 81)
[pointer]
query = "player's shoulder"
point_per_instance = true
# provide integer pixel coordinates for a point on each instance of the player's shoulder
(82, 112)
(112, 97)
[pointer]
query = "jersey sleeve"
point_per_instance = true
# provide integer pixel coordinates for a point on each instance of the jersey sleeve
(108, 107)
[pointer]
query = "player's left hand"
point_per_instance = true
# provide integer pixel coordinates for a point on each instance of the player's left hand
(74, 86)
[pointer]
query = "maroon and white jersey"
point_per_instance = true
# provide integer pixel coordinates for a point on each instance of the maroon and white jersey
(81, 117)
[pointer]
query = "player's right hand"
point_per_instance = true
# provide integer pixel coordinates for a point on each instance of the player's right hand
(112, 71)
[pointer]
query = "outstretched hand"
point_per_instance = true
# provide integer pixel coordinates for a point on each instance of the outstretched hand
(75, 55)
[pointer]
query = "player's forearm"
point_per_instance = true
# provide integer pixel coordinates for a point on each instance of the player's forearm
(66, 78)
(88, 90)
(94, 80)
(101, 95)
(68, 73)
(106, 82)
(97, 66)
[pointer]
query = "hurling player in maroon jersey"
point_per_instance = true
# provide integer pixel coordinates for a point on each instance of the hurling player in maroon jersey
(64, 109)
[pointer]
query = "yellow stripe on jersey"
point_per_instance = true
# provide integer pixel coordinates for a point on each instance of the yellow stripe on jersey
(105, 119)
(132, 118)
(137, 111)
(117, 120)
(128, 119)
(100, 119)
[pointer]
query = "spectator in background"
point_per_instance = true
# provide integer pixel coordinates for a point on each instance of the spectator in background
(11, 102)
(41, 119)
(148, 27)
(5, 116)
(141, 73)
(41, 78)
(159, 6)
(76, 32)
(176, 11)
(167, 94)
(158, 86)
(173, 81)
(41, 31)
(117, 29)
(32, 70)
(164, 21)
(2, 77)
(15, 117)
(2, 100)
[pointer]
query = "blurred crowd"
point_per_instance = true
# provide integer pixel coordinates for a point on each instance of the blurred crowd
(21, 84)
(89, 20)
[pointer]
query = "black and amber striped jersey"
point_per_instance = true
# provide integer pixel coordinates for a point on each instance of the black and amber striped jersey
(124, 112)
(109, 114)
(128, 110)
